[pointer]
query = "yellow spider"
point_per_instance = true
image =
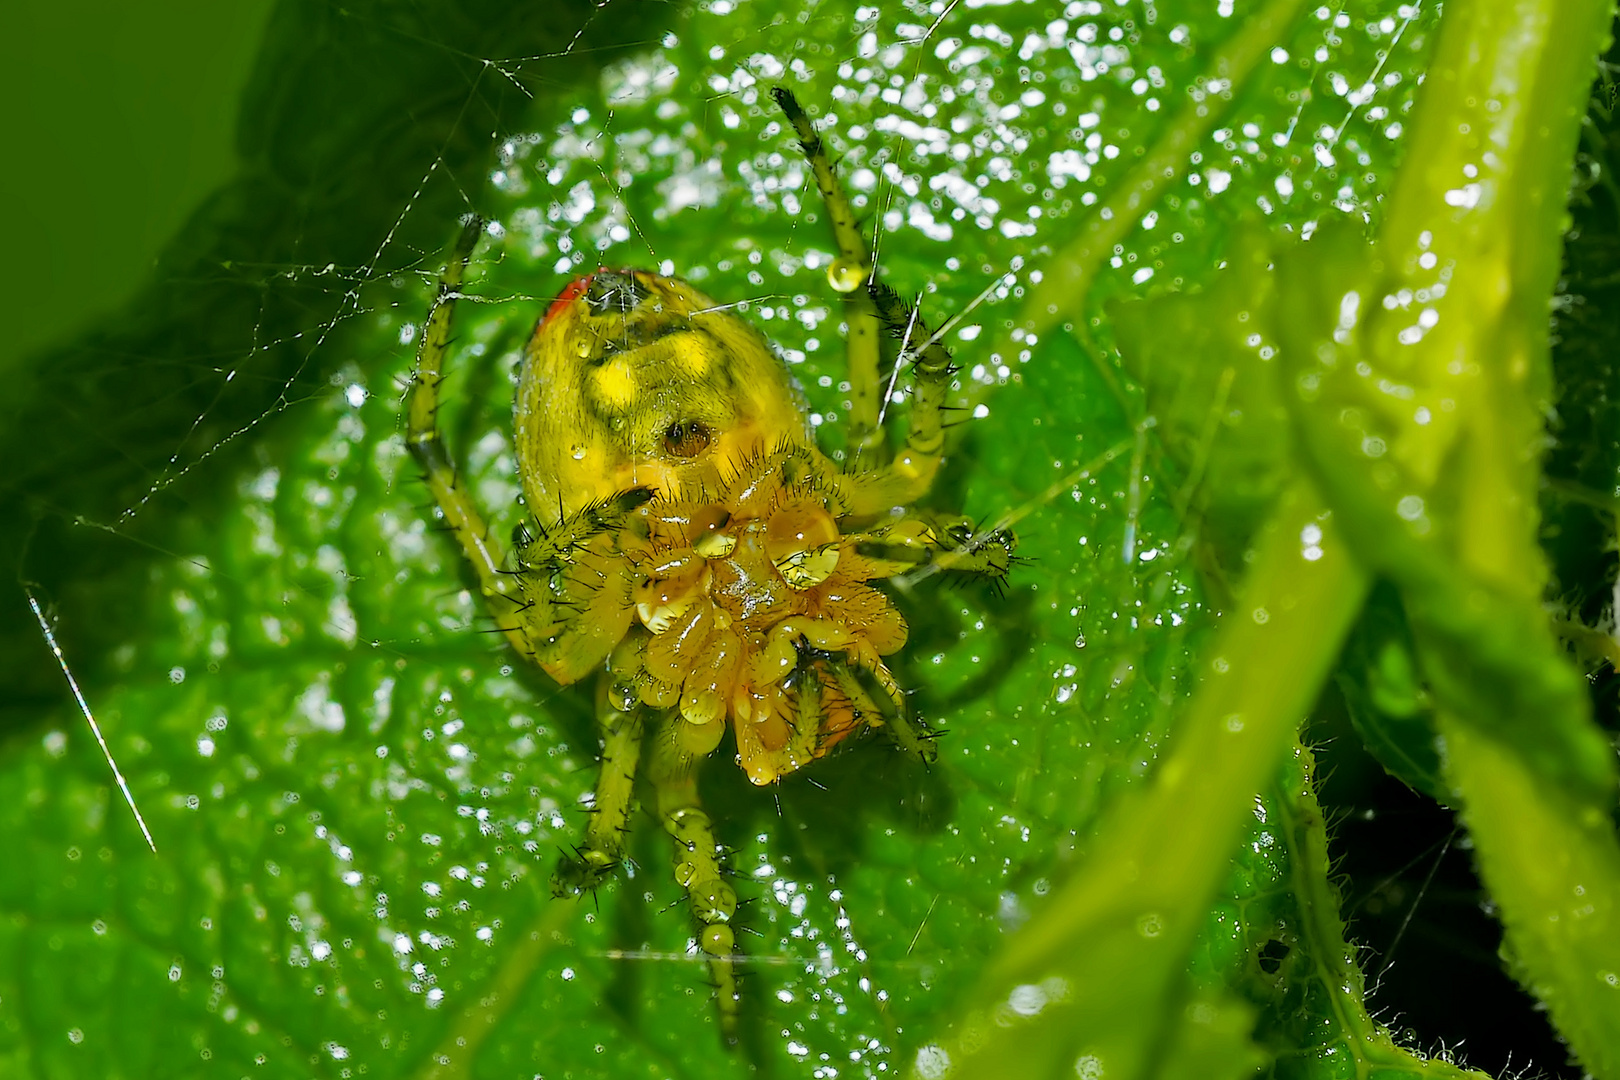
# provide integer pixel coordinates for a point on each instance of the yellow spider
(689, 546)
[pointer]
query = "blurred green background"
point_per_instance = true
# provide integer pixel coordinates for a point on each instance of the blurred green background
(120, 121)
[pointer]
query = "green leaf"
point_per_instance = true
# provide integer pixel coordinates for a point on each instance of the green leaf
(357, 795)
(1388, 702)
(1422, 433)
(1224, 419)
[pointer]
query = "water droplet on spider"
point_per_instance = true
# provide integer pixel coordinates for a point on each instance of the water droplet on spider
(579, 453)
(801, 541)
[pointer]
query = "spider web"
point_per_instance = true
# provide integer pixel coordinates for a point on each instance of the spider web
(300, 654)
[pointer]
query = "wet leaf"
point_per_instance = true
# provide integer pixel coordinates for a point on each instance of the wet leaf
(358, 794)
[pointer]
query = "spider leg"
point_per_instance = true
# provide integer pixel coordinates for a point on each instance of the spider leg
(425, 441)
(620, 717)
(848, 274)
(911, 736)
(920, 544)
(678, 749)
(576, 584)
(931, 373)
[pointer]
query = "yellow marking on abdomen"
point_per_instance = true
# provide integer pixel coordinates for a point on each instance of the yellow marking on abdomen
(694, 353)
(616, 385)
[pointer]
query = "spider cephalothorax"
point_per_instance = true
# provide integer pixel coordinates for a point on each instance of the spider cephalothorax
(690, 547)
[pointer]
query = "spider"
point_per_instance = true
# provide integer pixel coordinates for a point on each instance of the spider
(690, 548)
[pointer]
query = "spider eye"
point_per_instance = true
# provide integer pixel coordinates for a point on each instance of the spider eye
(686, 438)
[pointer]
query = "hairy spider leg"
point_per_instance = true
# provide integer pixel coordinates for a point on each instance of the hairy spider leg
(912, 471)
(925, 543)
(672, 769)
(868, 489)
(907, 733)
(987, 554)
(869, 306)
(621, 719)
(675, 750)
(848, 274)
(575, 584)
(425, 441)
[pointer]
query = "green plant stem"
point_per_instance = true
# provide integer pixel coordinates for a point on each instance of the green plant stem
(1552, 866)
(1116, 937)
(1506, 96)
(1321, 931)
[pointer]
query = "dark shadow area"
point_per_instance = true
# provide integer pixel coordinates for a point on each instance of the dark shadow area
(937, 623)
(631, 917)
(1415, 906)
(363, 129)
(934, 618)
(819, 819)
(1580, 511)
(820, 815)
